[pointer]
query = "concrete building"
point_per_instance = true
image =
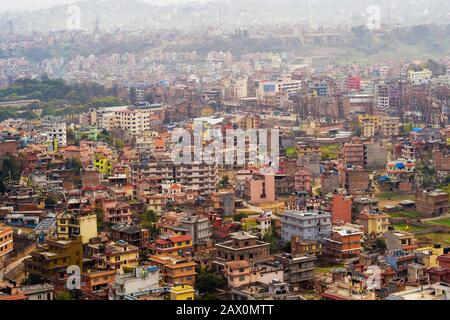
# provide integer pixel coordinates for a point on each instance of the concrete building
(6, 242)
(175, 269)
(354, 153)
(341, 208)
(133, 284)
(199, 228)
(374, 223)
(52, 259)
(390, 126)
(399, 240)
(224, 202)
(298, 269)
(260, 189)
(344, 242)
(431, 203)
(241, 246)
(308, 225)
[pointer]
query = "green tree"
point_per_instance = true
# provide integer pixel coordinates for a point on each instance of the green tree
(132, 95)
(380, 244)
(224, 182)
(208, 282)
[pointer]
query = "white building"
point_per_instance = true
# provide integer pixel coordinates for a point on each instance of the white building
(143, 280)
(419, 77)
(55, 129)
(308, 225)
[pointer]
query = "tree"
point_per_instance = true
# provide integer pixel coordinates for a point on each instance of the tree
(287, 246)
(239, 216)
(31, 280)
(132, 95)
(208, 282)
(380, 244)
(224, 182)
(74, 164)
(50, 202)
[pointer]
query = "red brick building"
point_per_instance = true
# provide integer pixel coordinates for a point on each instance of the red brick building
(341, 209)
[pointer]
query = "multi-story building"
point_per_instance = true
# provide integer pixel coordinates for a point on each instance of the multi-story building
(116, 211)
(69, 224)
(176, 245)
(132, 234)
(224, 202)
(374, 223)
(400, 240)
(6, 242)
(432, 203)
(341, 208)
(354, 153)
(260, 189)
(308, 225)
(300, 247)
(354, 179)
(56, 131)
(298, 269)
(117, 255)
(199, 228)
(241, 246)
(344, 242)
(390, 126)
(200, 177)
(96, 283)
(132, 119)
(54, 257)
(419, 77)
(175, 269)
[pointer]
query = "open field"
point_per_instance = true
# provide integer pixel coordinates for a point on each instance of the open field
(405, 214)
(433, 238)
(440, 222)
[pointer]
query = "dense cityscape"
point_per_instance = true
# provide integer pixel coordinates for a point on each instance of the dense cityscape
(261, 156)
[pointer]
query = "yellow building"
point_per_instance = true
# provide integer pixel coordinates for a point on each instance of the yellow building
(428, 256)
(54, 256)
(374, 223)
(118, 255)
(183, 292)
(68, 224)
(103, 164)
(376, 120)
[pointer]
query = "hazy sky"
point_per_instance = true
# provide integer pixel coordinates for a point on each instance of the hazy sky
(20, 5)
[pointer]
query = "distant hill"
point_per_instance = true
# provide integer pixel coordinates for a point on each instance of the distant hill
(134, 14)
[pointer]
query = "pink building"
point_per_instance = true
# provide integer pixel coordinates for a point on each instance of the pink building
(116, 211)
(260, 189)
(302, 180)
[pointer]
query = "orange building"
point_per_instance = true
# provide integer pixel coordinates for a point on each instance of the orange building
(95, 284)
(341, 209)
(175, 269)
(344, 242)
(6, 241)
(172, 245)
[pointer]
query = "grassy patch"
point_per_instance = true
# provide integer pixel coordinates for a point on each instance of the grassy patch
(407, 227)
(441, 222)
(388, 195)
(330, 152)
(405, 214)
(433, 238)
